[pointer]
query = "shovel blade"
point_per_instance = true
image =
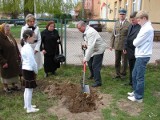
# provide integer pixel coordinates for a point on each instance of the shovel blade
(86, 89)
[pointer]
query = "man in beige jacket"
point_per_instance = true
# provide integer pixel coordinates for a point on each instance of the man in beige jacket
(95, 50)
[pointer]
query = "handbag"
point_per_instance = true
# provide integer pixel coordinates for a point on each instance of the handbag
(60, 57)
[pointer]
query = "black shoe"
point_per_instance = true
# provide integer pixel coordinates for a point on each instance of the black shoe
(130, 84)
(54, 73)
(96, 84)
(7, 90)
(46, 75)
(15, 88)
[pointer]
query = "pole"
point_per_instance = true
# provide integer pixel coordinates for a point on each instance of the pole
(82, 9)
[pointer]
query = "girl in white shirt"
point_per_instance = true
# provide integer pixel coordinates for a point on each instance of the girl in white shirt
(29, 70)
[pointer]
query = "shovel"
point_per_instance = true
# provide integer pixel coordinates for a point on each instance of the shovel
(85, 88)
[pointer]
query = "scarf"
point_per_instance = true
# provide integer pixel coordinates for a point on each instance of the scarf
(32, 27)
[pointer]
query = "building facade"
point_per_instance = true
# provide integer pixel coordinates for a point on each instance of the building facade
(113, 6)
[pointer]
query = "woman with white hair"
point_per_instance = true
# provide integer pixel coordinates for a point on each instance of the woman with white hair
(30, 25)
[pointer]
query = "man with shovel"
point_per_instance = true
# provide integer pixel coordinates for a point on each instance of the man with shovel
(95, 47)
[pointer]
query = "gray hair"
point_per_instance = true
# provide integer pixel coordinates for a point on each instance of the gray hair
(29, 17)
(81, 23)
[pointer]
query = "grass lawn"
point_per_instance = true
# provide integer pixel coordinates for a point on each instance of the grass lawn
(16, 30)
(11, 105)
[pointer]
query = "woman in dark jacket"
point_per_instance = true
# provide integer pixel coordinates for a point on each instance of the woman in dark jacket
(9, 58)
(50, 48)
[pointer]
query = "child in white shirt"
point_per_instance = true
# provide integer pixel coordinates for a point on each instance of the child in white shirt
(29, 70)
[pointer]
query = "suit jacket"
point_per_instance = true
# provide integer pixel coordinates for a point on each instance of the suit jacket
(118, 35)
(128, 45)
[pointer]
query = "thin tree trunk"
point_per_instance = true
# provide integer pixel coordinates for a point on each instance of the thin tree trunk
(28, 7)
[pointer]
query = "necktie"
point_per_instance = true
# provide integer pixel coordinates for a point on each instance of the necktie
(132, 27)
(121, 24)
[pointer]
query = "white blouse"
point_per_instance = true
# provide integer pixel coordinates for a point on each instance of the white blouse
(28, 60)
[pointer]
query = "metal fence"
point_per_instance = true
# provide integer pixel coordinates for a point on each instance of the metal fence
(72, 38)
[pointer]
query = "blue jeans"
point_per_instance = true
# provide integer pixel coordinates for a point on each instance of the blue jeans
(95, 65)
(138, 76)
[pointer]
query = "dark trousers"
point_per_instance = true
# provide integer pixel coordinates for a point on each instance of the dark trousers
(131, 66)
(95, 65)
(118, 57)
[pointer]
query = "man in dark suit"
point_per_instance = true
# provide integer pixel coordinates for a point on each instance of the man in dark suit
(129, 48)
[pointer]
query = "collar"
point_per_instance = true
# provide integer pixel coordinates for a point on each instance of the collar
(87, 27)
(32, 27)
(120, 21)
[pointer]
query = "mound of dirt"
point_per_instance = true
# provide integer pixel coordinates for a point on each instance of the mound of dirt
(75, 100)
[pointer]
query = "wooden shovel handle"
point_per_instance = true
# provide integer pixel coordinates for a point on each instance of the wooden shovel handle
(84, 67)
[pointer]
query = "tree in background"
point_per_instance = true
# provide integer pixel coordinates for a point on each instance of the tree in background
(28, 7)
(15, 7)
(10, 7)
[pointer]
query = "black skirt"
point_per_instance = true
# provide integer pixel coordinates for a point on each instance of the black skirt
(29, 79)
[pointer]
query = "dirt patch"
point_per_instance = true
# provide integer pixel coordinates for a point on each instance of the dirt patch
(156, 94)
(132, 108)
(72, 100)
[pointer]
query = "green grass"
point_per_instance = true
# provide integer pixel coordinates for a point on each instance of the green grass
(16, 31)
(11, 105)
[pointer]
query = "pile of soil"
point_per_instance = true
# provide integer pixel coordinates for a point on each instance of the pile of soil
(75, 100)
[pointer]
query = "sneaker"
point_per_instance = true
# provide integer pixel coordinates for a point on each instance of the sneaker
(32, 110)
(33, 106)
(132, 98)
(130, 94)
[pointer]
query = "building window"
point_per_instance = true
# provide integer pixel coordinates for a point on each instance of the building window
(134, 5)
(120, 4)
(139, 5)
(126, 4)
(115, 10)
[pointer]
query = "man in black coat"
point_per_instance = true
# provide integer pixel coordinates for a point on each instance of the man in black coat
(129, 48)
